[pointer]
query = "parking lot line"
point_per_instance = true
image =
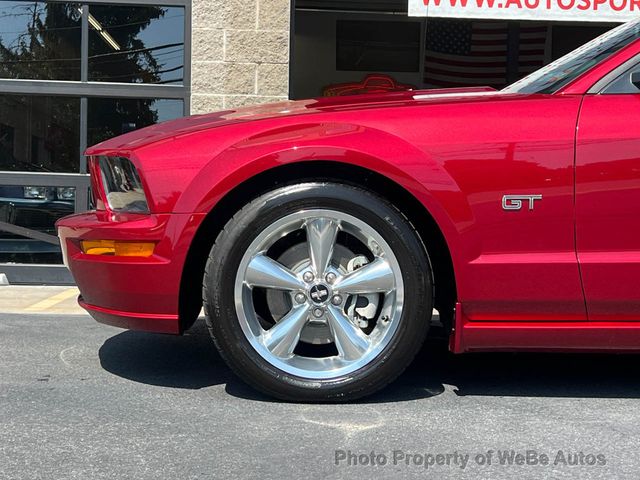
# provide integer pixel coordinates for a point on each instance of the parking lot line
(52, 300)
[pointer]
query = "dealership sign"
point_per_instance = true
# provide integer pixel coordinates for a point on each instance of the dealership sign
(568, 10)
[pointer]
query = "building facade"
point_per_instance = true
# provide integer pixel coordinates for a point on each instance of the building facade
(73, 74)
(240, 53)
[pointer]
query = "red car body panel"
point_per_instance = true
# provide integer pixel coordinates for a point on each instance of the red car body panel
(521, 276)
(131, 292)
(608, 205)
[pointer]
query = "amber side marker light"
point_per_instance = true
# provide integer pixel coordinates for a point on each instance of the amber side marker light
(117, 248)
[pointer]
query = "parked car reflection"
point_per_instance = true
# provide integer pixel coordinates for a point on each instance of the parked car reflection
(34, 207)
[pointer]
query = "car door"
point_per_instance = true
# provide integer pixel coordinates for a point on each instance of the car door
(608, 197)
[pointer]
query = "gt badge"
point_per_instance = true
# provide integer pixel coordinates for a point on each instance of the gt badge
(514, 202)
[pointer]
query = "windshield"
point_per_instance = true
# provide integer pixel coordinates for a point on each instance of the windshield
(557, 74)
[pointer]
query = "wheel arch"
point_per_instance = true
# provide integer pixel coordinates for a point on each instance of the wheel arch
(445, 294)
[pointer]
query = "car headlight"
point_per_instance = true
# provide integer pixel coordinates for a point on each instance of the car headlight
(66, 193)
(37, 193)
(122, 185)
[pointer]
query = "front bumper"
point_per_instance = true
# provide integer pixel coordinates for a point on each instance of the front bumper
(130, 292)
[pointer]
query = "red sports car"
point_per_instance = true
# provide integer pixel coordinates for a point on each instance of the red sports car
(320, 235)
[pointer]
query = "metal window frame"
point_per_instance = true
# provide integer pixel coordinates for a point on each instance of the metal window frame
(85, 89)
(71, 88)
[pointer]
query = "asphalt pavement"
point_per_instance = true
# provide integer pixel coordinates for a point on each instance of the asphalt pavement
(87, 401)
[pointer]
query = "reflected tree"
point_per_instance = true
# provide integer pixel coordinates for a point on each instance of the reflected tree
(40, 40)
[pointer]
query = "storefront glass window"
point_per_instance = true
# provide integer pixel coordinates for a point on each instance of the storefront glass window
(381, 46)
(37, 209)
(40, 40)
(109, 117)
(136, 44)
(39, 133)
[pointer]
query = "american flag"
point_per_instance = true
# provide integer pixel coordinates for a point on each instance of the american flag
(463, 53)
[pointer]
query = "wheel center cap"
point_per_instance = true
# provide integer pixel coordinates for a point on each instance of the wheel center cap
(319, 294)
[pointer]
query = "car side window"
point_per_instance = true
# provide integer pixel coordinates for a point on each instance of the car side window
(627, 83)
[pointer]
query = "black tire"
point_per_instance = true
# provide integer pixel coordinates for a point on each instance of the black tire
(232, 243)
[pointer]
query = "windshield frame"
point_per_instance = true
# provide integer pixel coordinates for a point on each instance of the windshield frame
(543, 80)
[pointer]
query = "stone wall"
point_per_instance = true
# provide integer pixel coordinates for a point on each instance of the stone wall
(240, 53)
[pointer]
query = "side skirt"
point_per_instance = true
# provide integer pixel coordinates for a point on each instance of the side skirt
(579, 336)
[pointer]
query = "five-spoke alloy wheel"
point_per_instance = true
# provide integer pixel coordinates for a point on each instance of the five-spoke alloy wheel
(306, 292)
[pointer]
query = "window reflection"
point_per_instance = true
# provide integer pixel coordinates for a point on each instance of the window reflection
(381, 46)
(39, 133)
(40, 40)
(136, 44)
(110, 117)
(35, 208)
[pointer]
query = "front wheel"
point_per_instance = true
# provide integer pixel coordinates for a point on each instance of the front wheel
(318, 292)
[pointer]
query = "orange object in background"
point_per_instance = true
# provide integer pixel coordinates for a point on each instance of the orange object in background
(374, 83)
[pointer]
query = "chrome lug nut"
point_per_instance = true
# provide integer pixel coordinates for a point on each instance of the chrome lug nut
(318, 312)
(307, 277)
(330, 278)
(336, 300)
(300, 298)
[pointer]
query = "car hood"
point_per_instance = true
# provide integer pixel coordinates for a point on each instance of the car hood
(188, 125)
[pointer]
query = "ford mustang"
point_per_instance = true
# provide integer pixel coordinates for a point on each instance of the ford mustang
(320, 235)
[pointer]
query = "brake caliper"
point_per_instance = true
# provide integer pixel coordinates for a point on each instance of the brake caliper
(361, 309)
